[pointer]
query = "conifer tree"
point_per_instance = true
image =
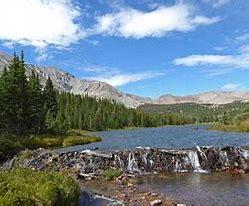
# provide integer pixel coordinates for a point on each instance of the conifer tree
(37, 114)
(16, 97)
(50, 105)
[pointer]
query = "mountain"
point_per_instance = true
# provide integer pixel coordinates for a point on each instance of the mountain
(212, 97)
(66, 82)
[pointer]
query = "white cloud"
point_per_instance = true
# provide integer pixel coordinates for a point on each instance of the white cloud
(231, 87)
(237, 61)
(39, 23)
(122, 79)
(129, 22)
(115, 77)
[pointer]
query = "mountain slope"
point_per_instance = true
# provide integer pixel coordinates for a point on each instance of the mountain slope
(66, 82)
(213, 97)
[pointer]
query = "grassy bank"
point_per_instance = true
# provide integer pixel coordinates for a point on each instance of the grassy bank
(10, 144)
(242, 126)
(28, 187)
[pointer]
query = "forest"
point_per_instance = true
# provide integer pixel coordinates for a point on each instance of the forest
(200, 113)
(28, 107)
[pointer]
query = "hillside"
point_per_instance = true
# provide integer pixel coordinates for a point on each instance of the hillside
(211, 97)
(66, 82)
(198, 112)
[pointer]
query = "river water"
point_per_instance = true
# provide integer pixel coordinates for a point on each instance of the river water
(171, 137)
(190, 188)
(201, 189)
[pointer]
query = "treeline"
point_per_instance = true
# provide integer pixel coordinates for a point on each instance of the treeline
(27, 107)
(83, 112)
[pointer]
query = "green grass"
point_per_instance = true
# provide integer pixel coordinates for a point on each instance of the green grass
(10, 145)
(27, 187)
(110, 173)
(242, 126)
(79, 140)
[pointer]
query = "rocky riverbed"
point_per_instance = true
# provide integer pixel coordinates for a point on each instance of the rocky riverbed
(140, 161)
(89, 166)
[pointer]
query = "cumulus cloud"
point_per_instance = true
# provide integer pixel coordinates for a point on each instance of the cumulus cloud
(114, 77)
(237, 61)
(231, 87)
(129, 22)
(39, 23)
(122, 79)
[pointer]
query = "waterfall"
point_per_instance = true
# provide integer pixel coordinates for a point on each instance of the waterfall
(224, 156)
(203, 155)
(118, 161)
(194, 161)
(132, 163)
(245, 154)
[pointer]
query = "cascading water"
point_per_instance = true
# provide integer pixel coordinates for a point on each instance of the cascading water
(132, 163)
(142, 161)
(194, 161)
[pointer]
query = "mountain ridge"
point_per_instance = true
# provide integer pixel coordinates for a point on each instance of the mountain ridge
(66, 82)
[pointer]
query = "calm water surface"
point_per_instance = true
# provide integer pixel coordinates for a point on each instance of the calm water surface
(172, 137)
(201, 189)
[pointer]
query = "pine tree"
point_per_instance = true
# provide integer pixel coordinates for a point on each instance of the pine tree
(36, 105)
(50, 105)
(16, 98)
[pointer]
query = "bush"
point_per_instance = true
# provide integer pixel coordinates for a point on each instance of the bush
(8, 147)
(80, 140)
(110, 173)
(27, 187)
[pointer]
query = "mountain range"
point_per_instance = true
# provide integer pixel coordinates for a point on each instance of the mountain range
(66, 82)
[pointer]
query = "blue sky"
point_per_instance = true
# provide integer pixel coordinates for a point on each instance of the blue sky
(144, 47)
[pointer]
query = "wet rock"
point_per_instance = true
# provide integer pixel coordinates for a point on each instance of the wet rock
(156, 202)
(142, 161)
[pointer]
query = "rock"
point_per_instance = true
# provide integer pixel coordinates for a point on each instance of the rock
(181, 204)
(156, 203)
(91, 164)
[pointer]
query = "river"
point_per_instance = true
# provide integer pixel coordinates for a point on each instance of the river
(169, 137)
(190, 188)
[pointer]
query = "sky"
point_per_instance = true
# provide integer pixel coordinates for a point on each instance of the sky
(145, 47)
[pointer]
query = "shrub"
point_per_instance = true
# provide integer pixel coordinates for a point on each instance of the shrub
(27, 187)
(79, 140)
(8, 147)
(110, 173)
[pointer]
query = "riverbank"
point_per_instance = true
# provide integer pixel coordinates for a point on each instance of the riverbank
(115, 174)
(12, 144)
(126, 190)
(21, 186)
(238, 127)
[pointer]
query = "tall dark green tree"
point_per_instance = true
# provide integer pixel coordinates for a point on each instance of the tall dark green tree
(37, 113)
(50, 105)
(15, 94)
